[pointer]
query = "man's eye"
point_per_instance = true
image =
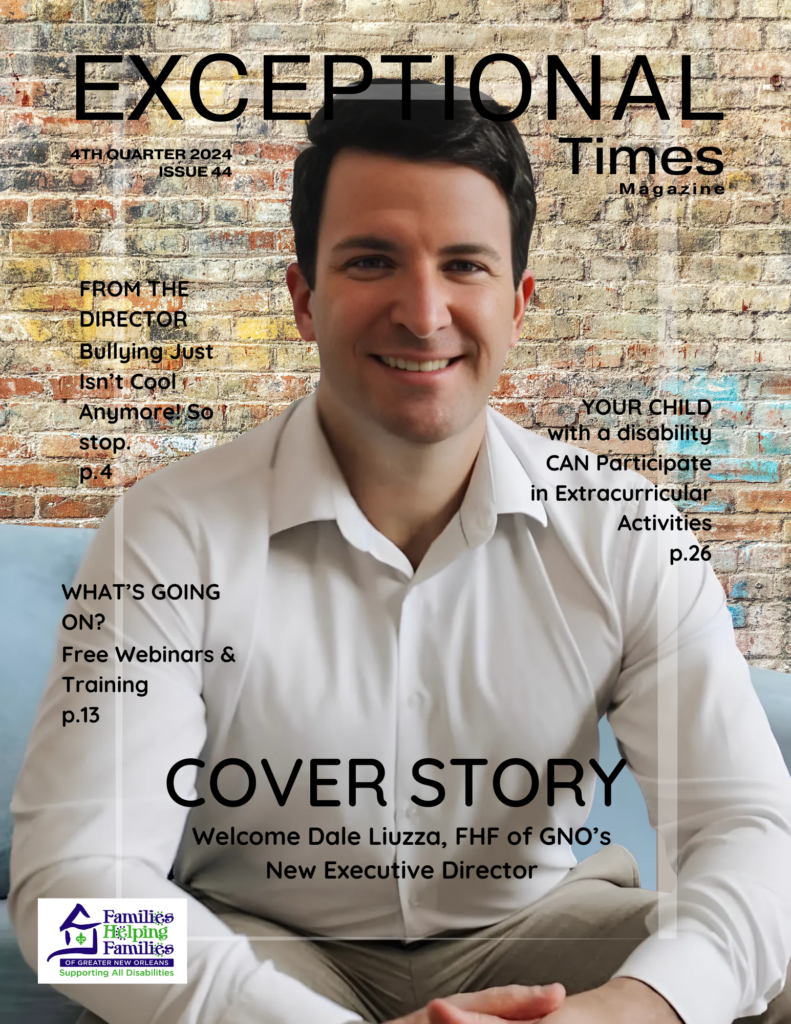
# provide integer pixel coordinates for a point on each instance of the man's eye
(368, 263)
(464, 266)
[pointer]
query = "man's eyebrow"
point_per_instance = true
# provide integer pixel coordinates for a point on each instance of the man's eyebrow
(387, 245)
(365, 242)
(471, 249)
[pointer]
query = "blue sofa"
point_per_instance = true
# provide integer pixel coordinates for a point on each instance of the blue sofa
(34, 563)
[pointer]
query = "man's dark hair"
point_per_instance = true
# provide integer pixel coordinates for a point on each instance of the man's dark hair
(376, 125)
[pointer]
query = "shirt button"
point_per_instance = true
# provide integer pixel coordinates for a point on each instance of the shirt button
(414, 901)
(411, 812)
(415, 700)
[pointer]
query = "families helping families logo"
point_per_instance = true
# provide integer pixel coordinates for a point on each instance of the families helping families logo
(108, 941)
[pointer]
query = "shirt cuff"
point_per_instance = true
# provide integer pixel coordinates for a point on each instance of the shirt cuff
(690, 974)
(271, 997)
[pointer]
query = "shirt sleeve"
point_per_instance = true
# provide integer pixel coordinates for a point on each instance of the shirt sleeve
(92, 815)
(694, 734)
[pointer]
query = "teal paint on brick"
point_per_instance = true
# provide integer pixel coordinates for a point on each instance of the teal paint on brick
(712, 505)
(738, 615)
(773, 414)
(751, 470)
(768, 442)
(701, 385)
(720, 444)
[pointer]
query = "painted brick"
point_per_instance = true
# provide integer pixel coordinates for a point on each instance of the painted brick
(757, 643)
(48, 299)
(13, 447)
(752, 470)
(14, 387)
(768, 442)
(17, 506)
(766, 240)
(52, 211)
(648, 36)
(723, 558)
(764, 501)
(634, 297)
(585, 10)
(738, 615)
(25, 271)
(56, 241)
(222, 242)
(759, 9)
(38, 474)
(721, 444)
(87, 506)
(754, 211)
(13, 211)
(629, 9)
(765, 557)
(740, 527)
(770, 384)
(183, 212)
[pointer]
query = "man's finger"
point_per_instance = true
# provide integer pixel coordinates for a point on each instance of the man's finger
(441, 1012)
(512, 1002)
(517, 1003)
(449, 1014)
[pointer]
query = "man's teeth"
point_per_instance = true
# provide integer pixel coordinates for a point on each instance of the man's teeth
(409, 364)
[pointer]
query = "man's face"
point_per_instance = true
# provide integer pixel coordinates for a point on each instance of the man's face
(414, 307)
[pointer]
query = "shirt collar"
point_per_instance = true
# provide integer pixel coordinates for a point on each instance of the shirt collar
(499, 485)
(308, 486)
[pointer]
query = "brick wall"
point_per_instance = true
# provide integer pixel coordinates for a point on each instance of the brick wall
(636, 297)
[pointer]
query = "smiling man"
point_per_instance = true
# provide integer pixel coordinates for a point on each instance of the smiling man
(414, 304)
(422, 637)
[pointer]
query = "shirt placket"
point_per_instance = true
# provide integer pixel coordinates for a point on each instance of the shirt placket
(413, 706)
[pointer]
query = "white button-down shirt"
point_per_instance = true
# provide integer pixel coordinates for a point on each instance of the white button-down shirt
(528, 619)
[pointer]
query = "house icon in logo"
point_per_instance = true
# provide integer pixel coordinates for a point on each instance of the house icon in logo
(71, 924)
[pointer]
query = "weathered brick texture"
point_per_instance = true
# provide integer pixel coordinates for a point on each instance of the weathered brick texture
(637, 297)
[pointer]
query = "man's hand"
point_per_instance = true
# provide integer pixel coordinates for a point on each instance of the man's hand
(619, 1001)
(523, 1004)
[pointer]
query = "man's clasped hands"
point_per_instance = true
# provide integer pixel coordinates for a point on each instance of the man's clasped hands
(618, 1001)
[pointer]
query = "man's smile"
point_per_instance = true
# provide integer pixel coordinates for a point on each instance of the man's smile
(402, 364)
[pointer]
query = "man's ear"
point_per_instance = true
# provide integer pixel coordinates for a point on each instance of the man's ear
(523, 293)
(300, 299)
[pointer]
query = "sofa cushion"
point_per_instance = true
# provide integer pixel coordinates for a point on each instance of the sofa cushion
(774, 692)
(24, 1001)
(626, 819)
(34, 562)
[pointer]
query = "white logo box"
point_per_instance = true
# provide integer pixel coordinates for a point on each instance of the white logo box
(112, 941)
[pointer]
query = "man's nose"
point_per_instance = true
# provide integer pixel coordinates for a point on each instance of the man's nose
(422, 304)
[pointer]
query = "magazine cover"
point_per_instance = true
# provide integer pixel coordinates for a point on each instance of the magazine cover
(396, 522)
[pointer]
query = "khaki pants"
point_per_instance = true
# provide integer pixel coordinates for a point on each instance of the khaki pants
(599, 900)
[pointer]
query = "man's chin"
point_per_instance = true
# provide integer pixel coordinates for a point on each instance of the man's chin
(422, 429)
(420, 421)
